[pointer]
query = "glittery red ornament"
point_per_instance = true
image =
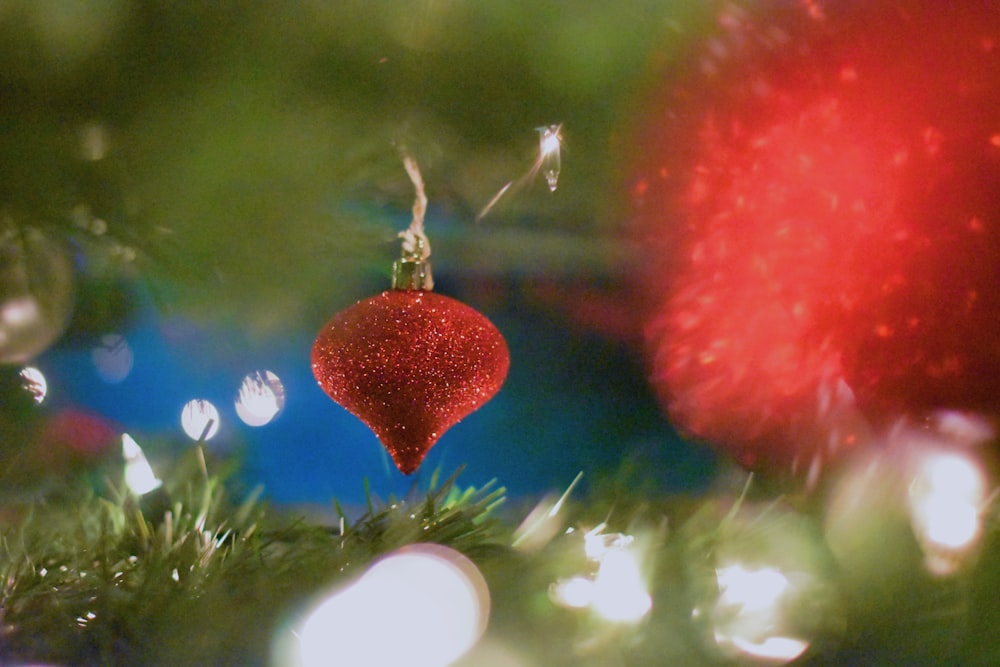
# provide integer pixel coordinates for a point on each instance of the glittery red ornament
(410, 364)
(820, 193)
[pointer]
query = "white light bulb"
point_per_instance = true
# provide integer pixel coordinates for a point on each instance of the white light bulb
(619, 594)
(575, 592)
(423, 605)
(945, 498)
(750, 590)
(139, 475)
(749, 614)
(948, 524)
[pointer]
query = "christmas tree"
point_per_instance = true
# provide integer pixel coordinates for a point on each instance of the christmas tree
(702, 369)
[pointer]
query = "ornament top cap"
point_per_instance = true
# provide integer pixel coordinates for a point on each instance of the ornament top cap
(412, 274)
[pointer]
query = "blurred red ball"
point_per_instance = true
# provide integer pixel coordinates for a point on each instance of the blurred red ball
(819, 193)
(77, 433)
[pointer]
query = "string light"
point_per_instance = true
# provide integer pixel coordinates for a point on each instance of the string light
(139, 475)
(749, 613)
(574, 592)
(598, 544)
(619, 593)
(945, 500)
(424, 605)
(616, 592)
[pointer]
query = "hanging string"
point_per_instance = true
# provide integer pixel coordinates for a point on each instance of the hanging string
(413, 270)
(416, 246)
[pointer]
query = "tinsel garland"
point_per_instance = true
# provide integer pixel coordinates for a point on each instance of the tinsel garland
(95, 575)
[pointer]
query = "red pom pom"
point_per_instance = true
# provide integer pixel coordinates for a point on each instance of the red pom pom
(410, 364)
(822, 196)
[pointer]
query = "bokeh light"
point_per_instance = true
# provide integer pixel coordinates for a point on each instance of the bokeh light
(574, 592)
(767, 591)
(597, 544)
(616, 592)
(35, 382)
(926, 481)
(139, 475)
(424, 605)
(750, 590)
(113, 358)
(200, 419)
(94, 141)
(948, 523)
(619, 592)
(946, 497)
(749, 614)
(37, 283)
(261, 398)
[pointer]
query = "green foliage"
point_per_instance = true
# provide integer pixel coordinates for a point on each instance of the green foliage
(91, 574)
(184, 576)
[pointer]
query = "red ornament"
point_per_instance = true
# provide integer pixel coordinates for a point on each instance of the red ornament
(73, 436)
(410, 364)
(821, 196)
